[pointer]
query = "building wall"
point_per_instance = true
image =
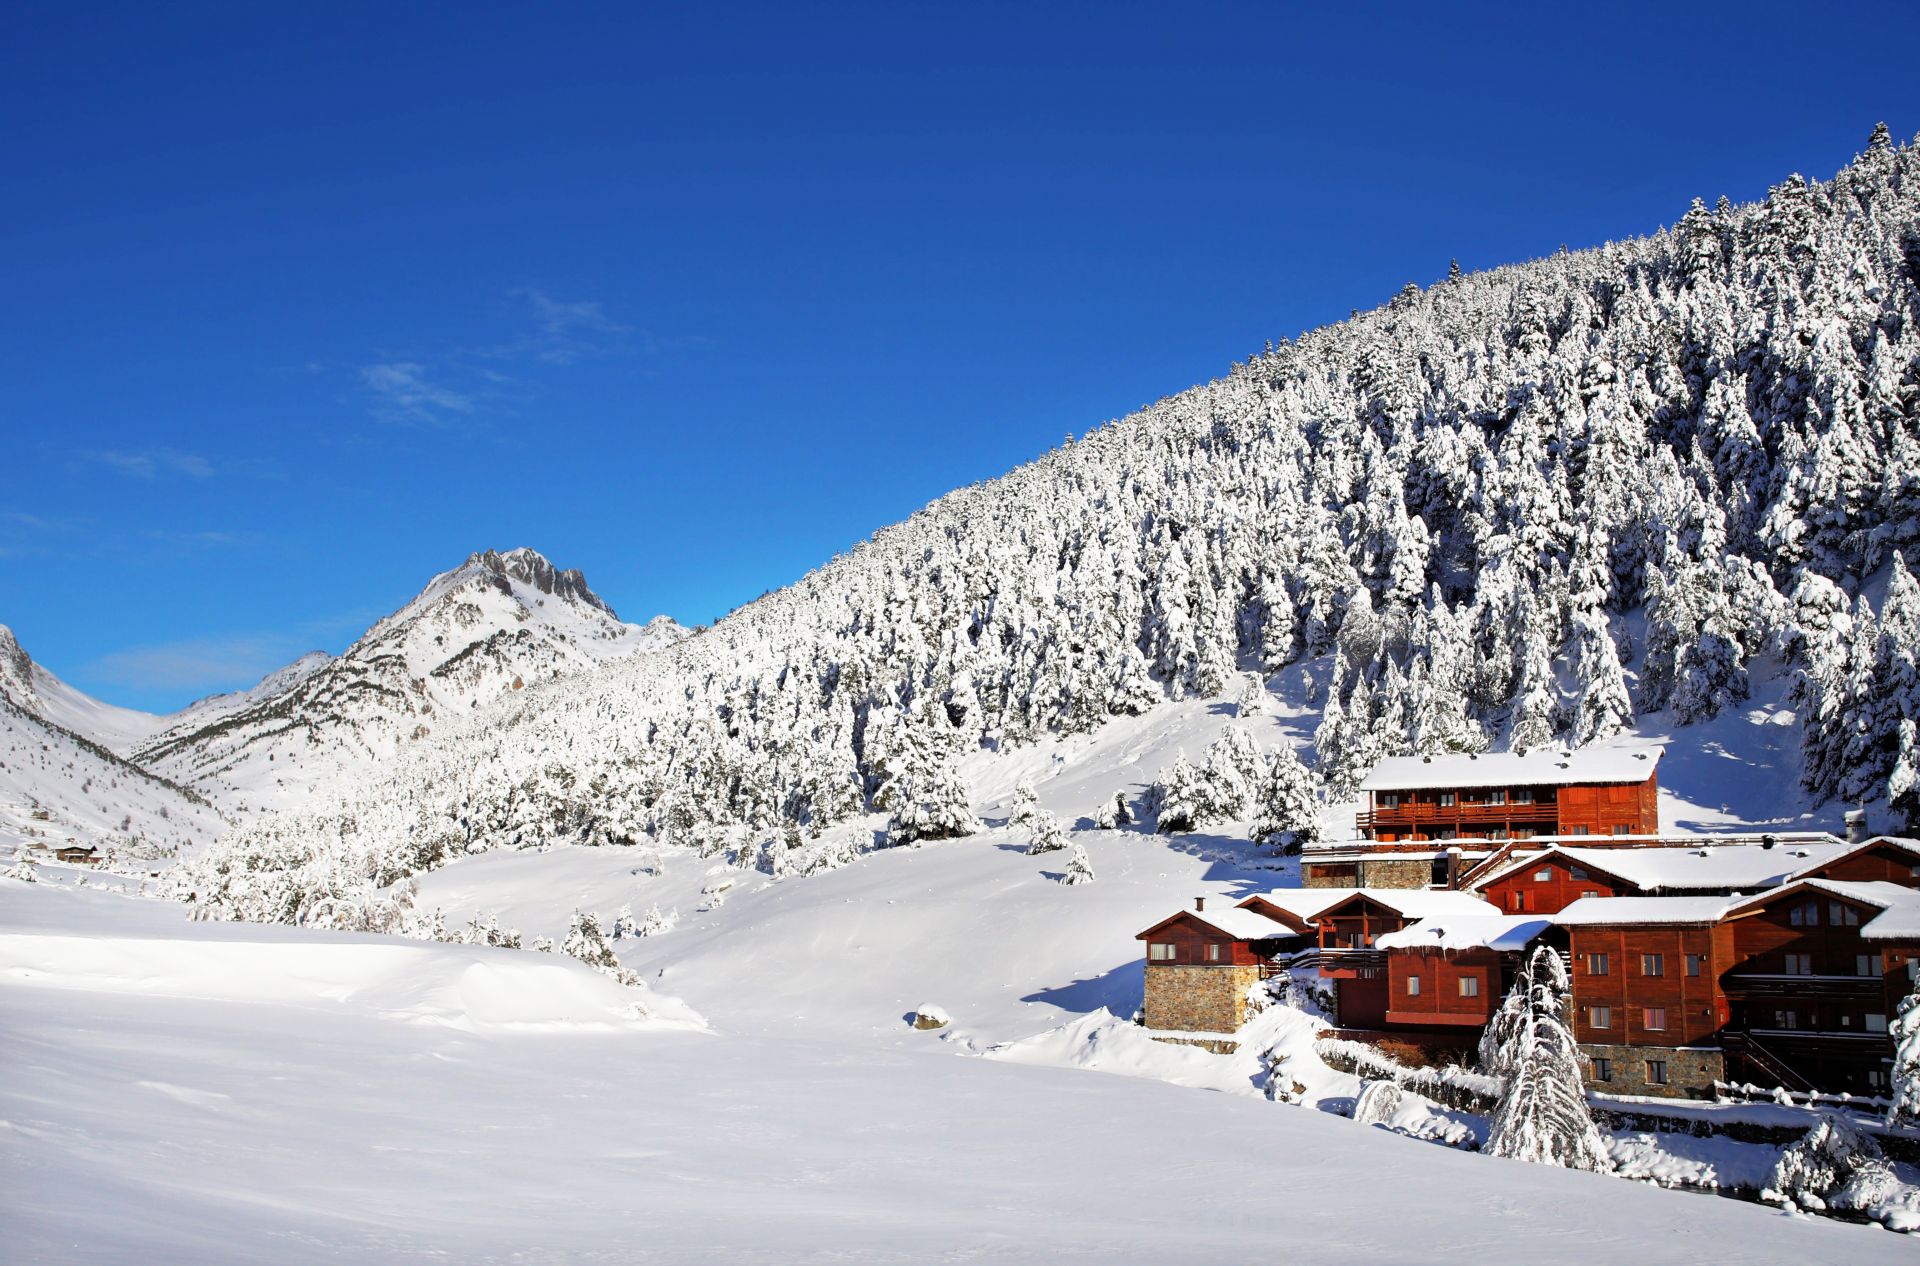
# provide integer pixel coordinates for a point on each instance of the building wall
(1329, 875)
(1198, 999)
(1600, 808)
(1360, 1002)
(1522, 893)
(1190, 939)
(1440, 1002)
(1695, 1008)
(1691, 1071)
(1389, 872)
(1885, 864)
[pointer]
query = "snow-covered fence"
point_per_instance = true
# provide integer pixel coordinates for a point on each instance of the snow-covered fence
(1452, 1086)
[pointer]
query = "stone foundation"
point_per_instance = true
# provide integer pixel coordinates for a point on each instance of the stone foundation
(1198, 999)
(1691, 1070)
(1395, 872)
(1222, 1045)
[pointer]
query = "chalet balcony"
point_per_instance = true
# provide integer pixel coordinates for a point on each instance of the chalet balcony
(1782, 985)
(1411, 816)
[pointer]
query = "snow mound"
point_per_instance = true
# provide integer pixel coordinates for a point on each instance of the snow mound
(456, 986)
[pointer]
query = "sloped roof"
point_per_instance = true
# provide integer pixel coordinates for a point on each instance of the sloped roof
(1302, 903)
(1241, 925)
(1899, 917)
(1609, 911)
(1471, 931)
(1420, 903)
(1540, 767)
(1702, 869)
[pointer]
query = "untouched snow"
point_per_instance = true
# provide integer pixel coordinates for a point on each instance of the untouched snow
(161, 1127)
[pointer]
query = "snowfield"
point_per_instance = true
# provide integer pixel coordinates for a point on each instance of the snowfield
(298, 1113)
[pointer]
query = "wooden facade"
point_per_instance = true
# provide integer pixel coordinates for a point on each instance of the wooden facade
(1436, 988)
(1513, 812)
(1646, 985)
(1550, 884)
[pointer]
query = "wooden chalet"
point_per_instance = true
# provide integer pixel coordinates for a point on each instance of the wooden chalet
(1553, 878)
(1452, 971)
(1499, 796)
(1348, 949)
(77, 854)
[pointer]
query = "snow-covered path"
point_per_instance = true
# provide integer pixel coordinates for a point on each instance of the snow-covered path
(139, 1122)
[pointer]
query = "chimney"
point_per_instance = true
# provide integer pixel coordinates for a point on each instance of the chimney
(1856, 826)
(1453, 869)
(1199, 905)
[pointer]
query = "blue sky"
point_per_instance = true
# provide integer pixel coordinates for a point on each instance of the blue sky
(303, 304)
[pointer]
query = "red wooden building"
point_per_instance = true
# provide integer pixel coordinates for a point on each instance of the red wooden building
(1452, 971)
(1497, 796)
(1554, 878)
(1348, 933)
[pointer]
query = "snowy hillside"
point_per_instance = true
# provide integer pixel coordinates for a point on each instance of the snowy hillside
(32, 688)
(494, 625)
(1663, 485)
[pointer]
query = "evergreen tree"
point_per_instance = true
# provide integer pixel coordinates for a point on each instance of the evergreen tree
(1079, 866)
(1182, 798)
(1905, 1093)
(1048, 835)
(1288, 816)
(1542, 1115)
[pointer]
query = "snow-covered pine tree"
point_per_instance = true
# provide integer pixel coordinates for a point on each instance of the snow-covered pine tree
(1542, 1116)
(933, 803)
(1026, 804)
(1182, 797)
(1047, 835)
(1079, 865)
(1904, 1108)
(1252, 699)
(586, 942)
(1287, 817)
(1833, 1166)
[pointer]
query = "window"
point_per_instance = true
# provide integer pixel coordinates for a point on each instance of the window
(1656, 1072)
(1469, 986)
(1602, 1069)
(1600, 1017)
(1576, 872)
(1413, 986)
(1805, 915)
(1695, 962)
(1497, 796)
(1448, 799)
(1369, 973)
(1596, 964)
(1447, 833)
(1589, 892)
(1623, 830)
(1786, 1019)
(1543, 875)
(1653, 1019)
(1842, 916)
(1876, 1079)
(1576, 830)
(1799, 964)
(1160, 952)
(1653, 964)
(1868, 965)
(1517, 901)
(1213, 951)
(1876, 1023)
(1524, 795)
(1497, 833)
(1389, 800)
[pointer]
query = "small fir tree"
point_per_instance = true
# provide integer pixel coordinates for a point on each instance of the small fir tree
(1542, 1116)
(1048, 835)
(1905, 1093)
(1079, 866)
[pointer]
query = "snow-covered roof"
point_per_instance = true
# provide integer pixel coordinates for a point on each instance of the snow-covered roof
(1666, 869)
(1899, 917)
(1539, 767)
(1470, 931)
(1423, 903)
(1607, 911)
(1241, 925)
(1302, 903)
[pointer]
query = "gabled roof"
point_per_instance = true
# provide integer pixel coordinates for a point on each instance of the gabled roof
(1241, 925)
(1506, 932)
(1704, 869)
(1899, 843)
(1540, 767)
(1417, 903)
(1637, 911)
(1899, 906)
(1302, 903)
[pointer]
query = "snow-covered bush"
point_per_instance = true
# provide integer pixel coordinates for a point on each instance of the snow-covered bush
(1833, 1166)
(1377, 1102)
(24, 870)
(587, 942)
(1048, 835)
(1904, 1108)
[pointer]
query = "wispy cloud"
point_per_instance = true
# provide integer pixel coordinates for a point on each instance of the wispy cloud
(152, 463)
(403, 392)
(213, 539)
(200, 664)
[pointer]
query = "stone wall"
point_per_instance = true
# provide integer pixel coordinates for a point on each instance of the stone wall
(1396, 872)
(1198, 999)
(1691, 1070)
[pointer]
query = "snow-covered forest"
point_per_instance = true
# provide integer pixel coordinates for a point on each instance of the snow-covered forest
(1510, 508)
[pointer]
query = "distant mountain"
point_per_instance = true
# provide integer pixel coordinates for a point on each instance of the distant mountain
(1544, 503)
(496, 624)
(61, 779)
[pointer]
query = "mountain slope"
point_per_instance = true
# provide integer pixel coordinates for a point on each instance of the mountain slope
(486, 628)
(1545, 503)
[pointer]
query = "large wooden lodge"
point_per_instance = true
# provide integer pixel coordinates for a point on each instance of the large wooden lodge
(1775, 959)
